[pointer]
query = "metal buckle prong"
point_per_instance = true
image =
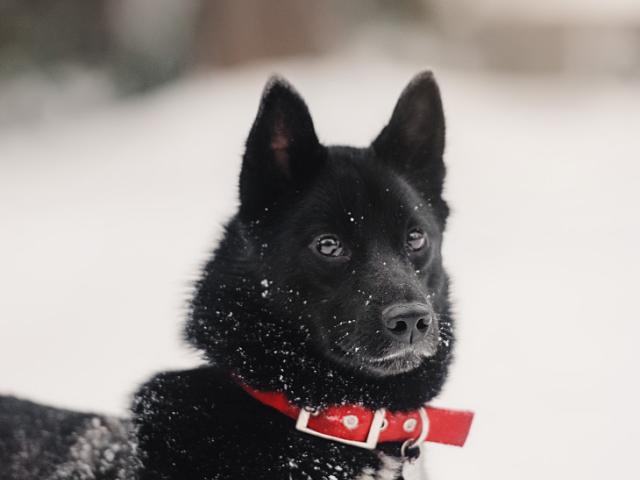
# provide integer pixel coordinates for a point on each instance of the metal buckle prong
(372, 437)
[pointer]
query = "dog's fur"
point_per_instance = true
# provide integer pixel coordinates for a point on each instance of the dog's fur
(274, 311)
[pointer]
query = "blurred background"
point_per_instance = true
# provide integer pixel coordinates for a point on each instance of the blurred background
(122, 125)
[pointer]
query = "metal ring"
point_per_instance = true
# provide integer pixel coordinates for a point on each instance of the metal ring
(406, 444)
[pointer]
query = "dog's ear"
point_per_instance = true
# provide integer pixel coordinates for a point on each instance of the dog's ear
(282, 151)
(413, 141)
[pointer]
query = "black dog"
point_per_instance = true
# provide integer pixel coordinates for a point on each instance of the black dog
(326, 292)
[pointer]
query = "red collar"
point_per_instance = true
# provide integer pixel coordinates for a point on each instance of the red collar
(362, 427)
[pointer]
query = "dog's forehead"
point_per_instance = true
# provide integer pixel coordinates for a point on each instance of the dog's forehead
(360, 190)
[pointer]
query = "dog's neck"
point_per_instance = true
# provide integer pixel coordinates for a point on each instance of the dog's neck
(310, 380)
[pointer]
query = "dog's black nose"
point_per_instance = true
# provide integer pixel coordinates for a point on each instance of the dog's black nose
(408, 322)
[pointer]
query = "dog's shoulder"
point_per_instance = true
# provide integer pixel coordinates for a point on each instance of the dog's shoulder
(176, 397)
(190, 422)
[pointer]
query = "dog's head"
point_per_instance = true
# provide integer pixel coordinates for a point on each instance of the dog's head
(335, 251)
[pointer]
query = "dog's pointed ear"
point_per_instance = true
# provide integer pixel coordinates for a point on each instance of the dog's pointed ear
(413, 141)
(282, 151)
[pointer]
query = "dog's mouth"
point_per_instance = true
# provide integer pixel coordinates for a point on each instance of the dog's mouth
(397, 361)
(400, 362)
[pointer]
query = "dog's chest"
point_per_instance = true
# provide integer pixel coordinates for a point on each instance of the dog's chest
(392, 468)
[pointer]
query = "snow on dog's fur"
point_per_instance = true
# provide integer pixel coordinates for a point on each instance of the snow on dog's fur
(328, 285)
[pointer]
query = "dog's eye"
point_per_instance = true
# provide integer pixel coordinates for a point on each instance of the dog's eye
(329, 246)
(416, 240)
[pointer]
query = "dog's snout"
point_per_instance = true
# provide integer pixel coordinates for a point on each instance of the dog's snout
(408, 322)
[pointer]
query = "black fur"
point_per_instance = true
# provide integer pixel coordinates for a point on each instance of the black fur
(44, 443)
(267, 309)
(277, 314)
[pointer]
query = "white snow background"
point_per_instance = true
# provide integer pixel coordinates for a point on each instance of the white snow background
(105, 216)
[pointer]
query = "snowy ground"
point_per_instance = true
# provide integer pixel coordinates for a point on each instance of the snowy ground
(105, 216)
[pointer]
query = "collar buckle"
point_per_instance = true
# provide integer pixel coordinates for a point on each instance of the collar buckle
(372, 437)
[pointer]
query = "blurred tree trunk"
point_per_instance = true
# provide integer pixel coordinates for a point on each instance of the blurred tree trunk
(235, 31)
(45, 31)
